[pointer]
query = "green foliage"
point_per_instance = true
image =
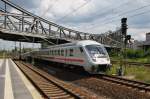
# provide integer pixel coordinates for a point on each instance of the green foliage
(114, 53)
(147, 53)
(134, 53)
(140, 73)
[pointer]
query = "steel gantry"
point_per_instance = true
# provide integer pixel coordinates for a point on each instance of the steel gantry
(25, 26)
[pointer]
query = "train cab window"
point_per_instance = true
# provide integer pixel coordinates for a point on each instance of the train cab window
(62, 52)
(71, 52)
(96, 51)
(81, 49)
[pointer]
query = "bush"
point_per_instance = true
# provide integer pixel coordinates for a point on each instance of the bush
(134, 53)
(147, 53)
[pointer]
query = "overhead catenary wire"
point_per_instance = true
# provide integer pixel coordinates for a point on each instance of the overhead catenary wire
(49, 8)
(75, 10)
(117, 17)
(127, 12)
(112, 9)
(93, 13)
(69, 14)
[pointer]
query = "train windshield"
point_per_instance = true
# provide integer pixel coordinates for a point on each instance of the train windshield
(96, 51)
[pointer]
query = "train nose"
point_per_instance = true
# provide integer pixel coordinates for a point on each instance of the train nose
(100, 68)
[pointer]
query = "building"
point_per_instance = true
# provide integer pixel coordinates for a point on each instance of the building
(146, 44)
(147, 36)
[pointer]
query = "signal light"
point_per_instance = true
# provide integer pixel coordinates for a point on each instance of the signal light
(128, 37)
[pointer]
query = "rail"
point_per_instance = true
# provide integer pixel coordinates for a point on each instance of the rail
(130, 83)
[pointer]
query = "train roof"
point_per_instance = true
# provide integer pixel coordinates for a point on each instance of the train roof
(87, 42)
(81, 43)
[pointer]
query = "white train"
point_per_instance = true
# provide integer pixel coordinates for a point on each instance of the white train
(90, 55)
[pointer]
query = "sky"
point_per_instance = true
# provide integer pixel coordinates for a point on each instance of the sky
(93, 16)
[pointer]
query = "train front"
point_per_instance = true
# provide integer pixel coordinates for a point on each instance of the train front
(99, 58)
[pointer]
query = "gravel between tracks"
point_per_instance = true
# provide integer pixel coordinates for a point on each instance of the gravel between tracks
(112, 90)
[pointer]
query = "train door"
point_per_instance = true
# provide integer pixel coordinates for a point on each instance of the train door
(65, 54)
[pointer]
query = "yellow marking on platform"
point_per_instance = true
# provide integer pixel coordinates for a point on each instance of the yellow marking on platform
(8, 85)
(35, 94)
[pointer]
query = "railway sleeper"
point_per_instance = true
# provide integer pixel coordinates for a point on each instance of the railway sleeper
(53, 92)
(61, 97)
(58, 94)
(50, 89)
(47, 87)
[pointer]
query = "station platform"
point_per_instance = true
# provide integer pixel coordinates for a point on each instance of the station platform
(13, 83)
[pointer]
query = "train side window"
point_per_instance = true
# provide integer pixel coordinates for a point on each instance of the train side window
(62, 52)
(81, 49)
(52, 52)
(55, 52)
(66, 52)
(49, 52)
(59, 52)
(71, 52)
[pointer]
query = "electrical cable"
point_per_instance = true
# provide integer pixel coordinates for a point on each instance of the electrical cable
(110, 20)
(75, 10)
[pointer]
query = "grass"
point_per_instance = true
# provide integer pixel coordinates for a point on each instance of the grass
(140, 73)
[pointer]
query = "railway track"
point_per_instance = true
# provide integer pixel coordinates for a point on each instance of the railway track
(50, 87)
(133, 63)
(138, 63)
(129, 83)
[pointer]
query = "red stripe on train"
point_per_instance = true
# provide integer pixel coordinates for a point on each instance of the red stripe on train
(70, 59)
(66, 59)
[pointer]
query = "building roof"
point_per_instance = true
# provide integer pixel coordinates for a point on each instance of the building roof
(145, 43)
(148, 33)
